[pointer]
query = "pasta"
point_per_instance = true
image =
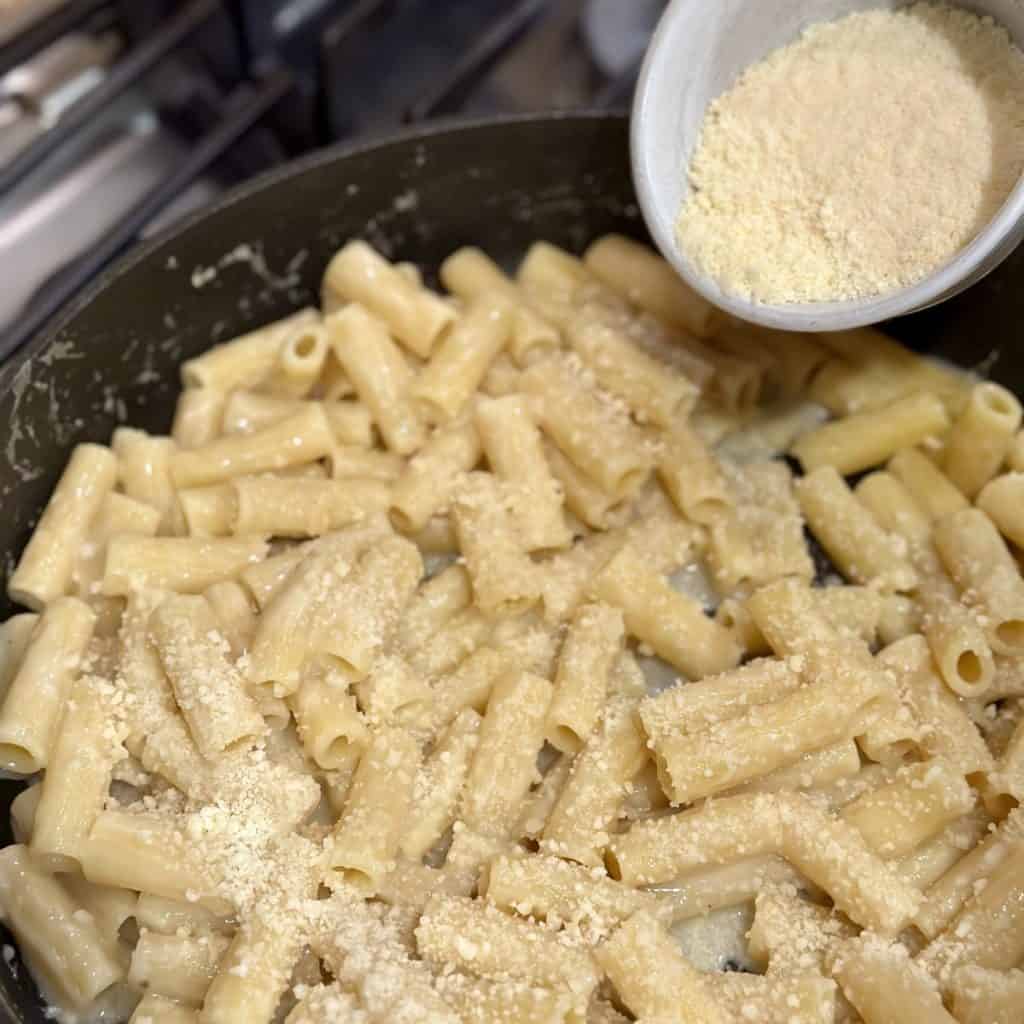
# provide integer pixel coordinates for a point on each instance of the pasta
(466, 661)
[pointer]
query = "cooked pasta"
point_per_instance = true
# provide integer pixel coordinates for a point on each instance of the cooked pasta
(358, 697)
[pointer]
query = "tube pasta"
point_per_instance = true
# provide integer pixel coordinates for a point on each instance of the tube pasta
(790, 934)
(236, 616)
(547, 888)
(948, 895)
(414, 315)
(78, 774)
(654, 392)
(581, 684)
(981, 437)
(827, 851)
(643, 277)
(469, 273)
(882, 982)
(582, 496)
(486, 1001)
(434, 605)
(393, 693)
(897, 817)
(37, 693)
(1000, 499)
(207, 686)
(366, 838)
(981, 996)
(875, 369)
(300, 361)
(176, 967)
(1015, 456)
(550, 277)
(504, 579)
(353, 624)
(184, 564)
(833, 855)
(198, 417)
(961, 649)
(674, 625)
(690, 709)
(760, 537)
(515, 452)
(817, 769)
(798, 357)
(144, 469)
(579, 823)
(988, 931)
(65, 945)
(984, 570)
(426, 486)
(293, 441)
(860, 548)
(347, 461)
(863, 440)
(440, 784)
(468, 686)
(653, 978)
(933, 858)
(324, 1002)
(458, 366)
(769, 736)
(692, 477)
(936, 494)
(117, 515)
(786, 614)
(248, 411)
(208, 511)
(803, 997)
(44, 570)
(380, 374)
(452, 643)
(254, 973)
(504, 762)
(541, 800)
(279, 649)
(482, 939)
(244, 361)
(171, 917)
(331, 728)
(947, 732)
(23, 813)
(283, 507)
(15, 636)
(599, 440)
(1008, 778)
(699, 892)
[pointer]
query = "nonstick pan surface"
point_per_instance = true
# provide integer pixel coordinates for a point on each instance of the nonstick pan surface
(260, 251)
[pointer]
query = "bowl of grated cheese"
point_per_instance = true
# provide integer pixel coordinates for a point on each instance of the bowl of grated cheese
(816, 166)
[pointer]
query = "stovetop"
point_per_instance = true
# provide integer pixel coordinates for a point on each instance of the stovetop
(118, 115)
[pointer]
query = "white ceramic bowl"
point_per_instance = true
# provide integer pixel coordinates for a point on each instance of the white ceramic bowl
(698, 51)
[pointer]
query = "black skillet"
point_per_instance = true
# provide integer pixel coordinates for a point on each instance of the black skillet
(259, 252)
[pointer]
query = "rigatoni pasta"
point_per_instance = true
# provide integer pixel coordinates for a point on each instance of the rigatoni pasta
(464, 660)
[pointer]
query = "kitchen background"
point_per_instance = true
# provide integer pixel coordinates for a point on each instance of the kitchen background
(117, 116)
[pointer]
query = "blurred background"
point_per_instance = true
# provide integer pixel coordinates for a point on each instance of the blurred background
(117, 116)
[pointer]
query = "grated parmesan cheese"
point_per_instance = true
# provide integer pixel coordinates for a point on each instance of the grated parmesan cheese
(859, 158)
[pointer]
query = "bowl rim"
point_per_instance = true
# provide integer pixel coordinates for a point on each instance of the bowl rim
(983, 252)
